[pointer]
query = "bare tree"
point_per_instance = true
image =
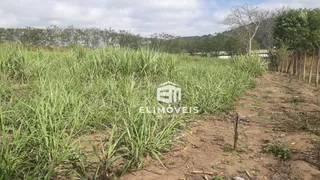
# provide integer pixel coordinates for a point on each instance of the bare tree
(265, 34)
(246, 18)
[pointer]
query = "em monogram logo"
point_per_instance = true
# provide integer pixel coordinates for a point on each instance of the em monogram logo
(168, 92)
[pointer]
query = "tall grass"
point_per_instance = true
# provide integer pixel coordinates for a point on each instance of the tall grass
(12, 62)
(251, 64)
(71, 94)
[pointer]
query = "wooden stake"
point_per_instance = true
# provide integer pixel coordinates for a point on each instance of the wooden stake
(236, 134)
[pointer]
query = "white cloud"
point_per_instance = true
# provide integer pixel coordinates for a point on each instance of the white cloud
(145, 17)
(271, 4)
(139, 16)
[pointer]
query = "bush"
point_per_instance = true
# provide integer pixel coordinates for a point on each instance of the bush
(278, 150)
(252, 64)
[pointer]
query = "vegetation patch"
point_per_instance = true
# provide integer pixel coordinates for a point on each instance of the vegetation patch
(70, 94)
(227, 148)
(218, 177)
(281, 151)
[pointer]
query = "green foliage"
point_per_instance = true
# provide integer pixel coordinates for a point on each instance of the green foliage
(255, 45)
(234, 46)
(292, 28)
(298, 28)
(215, 82)
(254, 65)
(227, 148)
(278, 150)
(282, 53)
(218, 177)
(71, 37)
(12, 62)
(314, 25)
(69, 94)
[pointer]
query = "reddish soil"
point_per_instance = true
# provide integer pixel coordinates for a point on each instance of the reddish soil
(279, 109)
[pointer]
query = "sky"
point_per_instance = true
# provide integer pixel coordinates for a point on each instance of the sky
(144, 17)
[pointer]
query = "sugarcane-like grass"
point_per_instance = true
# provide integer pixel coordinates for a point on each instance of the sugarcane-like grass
(50, 100)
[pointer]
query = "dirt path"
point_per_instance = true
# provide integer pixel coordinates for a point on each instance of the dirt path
(278, 109)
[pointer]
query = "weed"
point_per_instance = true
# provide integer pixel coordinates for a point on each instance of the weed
(218, 177)
(278, 150)
(227, 148)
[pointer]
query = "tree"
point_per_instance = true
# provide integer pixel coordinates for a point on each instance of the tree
(10, 35)
(68, 36)
(246, 20)
(32, 35)
(2, 34)
(92, 37)
(233, 46)
(314, 26)
(265, 35)
(291, 28)
(52, 35)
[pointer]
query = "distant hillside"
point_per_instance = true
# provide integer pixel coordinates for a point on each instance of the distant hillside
(94, 37)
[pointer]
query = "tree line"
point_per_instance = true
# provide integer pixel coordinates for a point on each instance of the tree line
(291, 36)
(56, 36)
(297, 34)
(95, 37)
(296, 30)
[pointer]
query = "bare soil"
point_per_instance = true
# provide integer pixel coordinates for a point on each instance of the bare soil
(278, 109)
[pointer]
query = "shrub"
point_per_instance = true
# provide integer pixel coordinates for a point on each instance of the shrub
(252, 64)
(278, 150)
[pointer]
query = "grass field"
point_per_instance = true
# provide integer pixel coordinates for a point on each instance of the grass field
(50, 100)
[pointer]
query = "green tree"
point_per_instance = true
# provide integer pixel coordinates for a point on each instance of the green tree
(2, 34)
(314, 26)
(233, 46)
(291, 28)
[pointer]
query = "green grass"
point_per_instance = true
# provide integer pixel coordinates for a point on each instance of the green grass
(227, 148)
(280, 151)
(49, 100)
(218, 177)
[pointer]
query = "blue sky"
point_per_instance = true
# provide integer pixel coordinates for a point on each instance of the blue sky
(145, 17)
